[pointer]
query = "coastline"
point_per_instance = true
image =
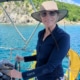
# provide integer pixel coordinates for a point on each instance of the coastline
(66, 22)
(36, 23)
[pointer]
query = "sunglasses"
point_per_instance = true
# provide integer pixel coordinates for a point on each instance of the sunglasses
(45, 13)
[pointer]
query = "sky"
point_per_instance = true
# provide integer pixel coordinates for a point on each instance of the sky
(77, 2)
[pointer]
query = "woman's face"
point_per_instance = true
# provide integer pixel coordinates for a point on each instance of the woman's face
(49, 18)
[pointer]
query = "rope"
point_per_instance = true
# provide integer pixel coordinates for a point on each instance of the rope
(33, 5)
(26, 44)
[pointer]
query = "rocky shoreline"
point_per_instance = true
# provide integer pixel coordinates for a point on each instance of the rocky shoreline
(18, 14)
(17, 19)
(21, 15)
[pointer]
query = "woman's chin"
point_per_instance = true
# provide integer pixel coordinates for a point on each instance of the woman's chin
(48, 25)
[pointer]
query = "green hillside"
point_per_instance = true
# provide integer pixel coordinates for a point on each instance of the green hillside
(74, 10)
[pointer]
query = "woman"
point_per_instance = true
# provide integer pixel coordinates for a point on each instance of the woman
(52, 46)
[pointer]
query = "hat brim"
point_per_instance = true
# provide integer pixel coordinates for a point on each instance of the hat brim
(62, 14)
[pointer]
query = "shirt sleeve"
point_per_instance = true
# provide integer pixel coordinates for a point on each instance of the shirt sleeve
(30, 58)
(54, 60)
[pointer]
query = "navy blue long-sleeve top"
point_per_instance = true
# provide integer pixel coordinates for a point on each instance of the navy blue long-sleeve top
(50, 54)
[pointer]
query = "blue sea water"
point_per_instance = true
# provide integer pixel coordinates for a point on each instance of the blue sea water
(9, 38)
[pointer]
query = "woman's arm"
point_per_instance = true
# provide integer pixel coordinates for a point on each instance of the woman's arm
(30, 58)
(26, 58)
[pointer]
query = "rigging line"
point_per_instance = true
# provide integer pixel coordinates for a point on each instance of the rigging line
(13, 23)
(6, 48)
(26, 44)
(10, 54)
(31, 36)
(33, 5)
(63, 8)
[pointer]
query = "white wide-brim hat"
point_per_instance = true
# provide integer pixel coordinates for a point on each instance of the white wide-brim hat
(49, 6)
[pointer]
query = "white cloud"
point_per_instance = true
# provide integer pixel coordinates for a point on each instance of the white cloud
(69, 1)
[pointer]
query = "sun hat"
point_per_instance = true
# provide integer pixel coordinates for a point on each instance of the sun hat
(49, 6)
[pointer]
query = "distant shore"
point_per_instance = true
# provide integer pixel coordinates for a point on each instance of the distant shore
(34, 22)
(62, 22)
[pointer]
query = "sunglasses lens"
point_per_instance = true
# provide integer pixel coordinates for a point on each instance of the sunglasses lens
(52, 13)
(43, 13)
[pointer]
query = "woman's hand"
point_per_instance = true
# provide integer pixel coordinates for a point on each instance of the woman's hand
(19, 58)
(15, 74)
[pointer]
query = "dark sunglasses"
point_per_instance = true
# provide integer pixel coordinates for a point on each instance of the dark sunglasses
(51, 13)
